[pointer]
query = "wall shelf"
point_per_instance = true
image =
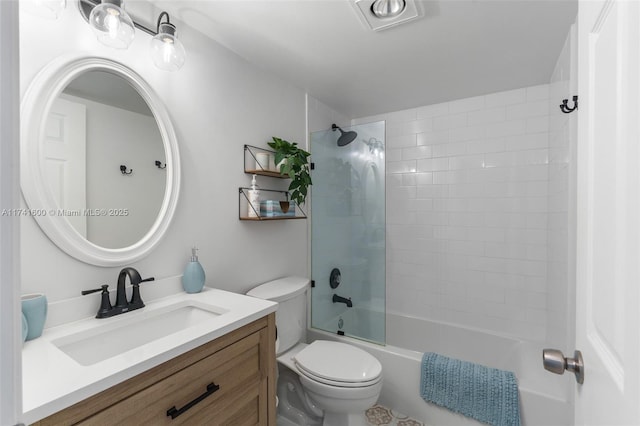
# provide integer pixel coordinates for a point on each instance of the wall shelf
(244, 206)
(259, 161)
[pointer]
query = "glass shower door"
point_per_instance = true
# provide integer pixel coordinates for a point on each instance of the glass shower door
(348, 231)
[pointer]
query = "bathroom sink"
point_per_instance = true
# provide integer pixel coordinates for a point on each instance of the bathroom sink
(125, 333)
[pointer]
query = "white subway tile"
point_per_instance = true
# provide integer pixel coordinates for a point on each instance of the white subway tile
(424, 178)
(527, 110)
(529, 141)
(471, 133)
(445, 122)
(430, 111)
(450, 232)
(475, 240)
(401, 116)
(433, 138)
(506, 98)
(507, 281)
(500, 159)
(537, 93)
(422, 205)
(486, 146)
(506, 128)
(486, 116)
(420, 126)
(401, 193)
(433, 218)
(487, 264)
(392, 180)
(393, 154)
(417, 152)
(408, 179)
(466, 219)
(485, 234)
(486, 292)
(401, 141)
(449, 177)
(432, 164)
(537, 124)
(408, 166)
(468, 104)
(466, 162)
(433, 191)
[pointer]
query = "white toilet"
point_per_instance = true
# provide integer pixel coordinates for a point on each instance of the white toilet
(339, 381)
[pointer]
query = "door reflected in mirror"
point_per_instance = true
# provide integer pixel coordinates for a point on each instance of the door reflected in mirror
(97, 124)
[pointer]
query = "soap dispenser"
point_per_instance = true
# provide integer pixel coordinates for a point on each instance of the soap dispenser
(193, 277)
(253, 208)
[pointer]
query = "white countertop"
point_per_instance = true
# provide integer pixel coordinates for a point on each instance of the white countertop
(53, 381)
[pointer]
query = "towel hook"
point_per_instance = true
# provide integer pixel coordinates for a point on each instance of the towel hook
(160, 166)
(565, 108)
(123, 170)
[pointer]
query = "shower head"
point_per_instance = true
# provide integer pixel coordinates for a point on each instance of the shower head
(345, 137)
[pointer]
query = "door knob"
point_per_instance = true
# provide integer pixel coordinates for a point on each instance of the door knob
(555, 361)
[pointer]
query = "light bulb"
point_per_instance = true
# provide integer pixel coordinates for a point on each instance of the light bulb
(167, 51)
(111, 24)
(388, 8)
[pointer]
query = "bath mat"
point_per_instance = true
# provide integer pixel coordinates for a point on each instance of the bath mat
(486, 394)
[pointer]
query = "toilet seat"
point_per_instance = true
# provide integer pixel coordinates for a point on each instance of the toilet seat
(338, 364)
(336, 383)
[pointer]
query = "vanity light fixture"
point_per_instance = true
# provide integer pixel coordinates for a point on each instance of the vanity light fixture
(114, 27)
(167, 51)
(112, 24)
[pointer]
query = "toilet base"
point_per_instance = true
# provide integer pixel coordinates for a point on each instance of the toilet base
(344, 419)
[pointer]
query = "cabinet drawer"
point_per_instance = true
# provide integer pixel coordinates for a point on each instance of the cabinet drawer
(235, 369)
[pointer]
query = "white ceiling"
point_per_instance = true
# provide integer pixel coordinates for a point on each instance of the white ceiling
(458, 49)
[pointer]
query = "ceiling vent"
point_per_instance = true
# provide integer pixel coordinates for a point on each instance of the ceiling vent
(378, 15)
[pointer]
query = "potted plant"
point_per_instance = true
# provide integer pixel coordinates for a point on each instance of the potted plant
(294, 163)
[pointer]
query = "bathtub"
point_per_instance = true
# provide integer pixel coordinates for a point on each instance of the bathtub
(545, 398)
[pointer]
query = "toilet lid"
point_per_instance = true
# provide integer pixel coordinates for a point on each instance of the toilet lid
(338, 362)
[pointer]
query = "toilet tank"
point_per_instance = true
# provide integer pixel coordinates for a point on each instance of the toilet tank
(291, 316)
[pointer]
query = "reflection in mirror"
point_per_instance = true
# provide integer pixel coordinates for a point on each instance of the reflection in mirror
(98, 123)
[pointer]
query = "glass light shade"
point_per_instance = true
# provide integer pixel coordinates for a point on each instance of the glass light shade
(388, 8)
(167, 51)
(112, 25)
(49, 9)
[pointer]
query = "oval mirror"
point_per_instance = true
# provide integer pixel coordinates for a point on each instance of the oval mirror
(99, 160)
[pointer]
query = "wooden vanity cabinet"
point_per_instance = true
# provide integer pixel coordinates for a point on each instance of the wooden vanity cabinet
(228, 381)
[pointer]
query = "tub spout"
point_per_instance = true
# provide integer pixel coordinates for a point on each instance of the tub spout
(338, 299)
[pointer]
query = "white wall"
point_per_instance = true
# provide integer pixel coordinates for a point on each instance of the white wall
(467, 211)
(218, 102)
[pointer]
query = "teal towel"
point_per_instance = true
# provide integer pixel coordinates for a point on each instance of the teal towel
(486, 394)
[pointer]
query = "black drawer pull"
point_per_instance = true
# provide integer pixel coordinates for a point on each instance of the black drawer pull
(173, 412)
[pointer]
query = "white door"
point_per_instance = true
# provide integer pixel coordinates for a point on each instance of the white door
(608, 214)
(65, 159)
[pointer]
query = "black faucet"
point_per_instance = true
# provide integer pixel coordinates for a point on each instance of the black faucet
(122, 306)
(338, 299)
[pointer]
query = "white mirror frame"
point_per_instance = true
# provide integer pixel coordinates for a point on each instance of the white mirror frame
(35, 106)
